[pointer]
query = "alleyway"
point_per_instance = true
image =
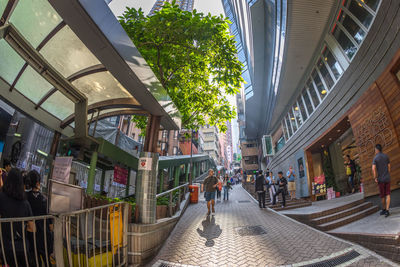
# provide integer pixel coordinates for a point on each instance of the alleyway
(276, 240)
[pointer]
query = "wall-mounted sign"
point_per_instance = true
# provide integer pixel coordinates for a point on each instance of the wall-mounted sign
(120, 175)
(145, 164)
(62, 169)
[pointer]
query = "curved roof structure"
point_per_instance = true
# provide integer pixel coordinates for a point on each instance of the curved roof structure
(56, 56)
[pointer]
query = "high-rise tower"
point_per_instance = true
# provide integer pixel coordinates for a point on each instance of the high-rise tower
(186, 5)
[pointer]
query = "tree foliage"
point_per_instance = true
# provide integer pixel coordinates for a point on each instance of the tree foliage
(194, 57)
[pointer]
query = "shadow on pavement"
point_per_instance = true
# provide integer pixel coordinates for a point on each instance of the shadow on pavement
(210, 231)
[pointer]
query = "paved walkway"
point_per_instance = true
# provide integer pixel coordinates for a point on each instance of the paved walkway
(227, 239)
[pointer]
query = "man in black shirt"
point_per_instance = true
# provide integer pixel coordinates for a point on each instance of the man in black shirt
(282, 182)
(260, 189)
(210, 185)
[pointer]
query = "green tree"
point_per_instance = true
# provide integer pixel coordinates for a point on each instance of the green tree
(194, 57)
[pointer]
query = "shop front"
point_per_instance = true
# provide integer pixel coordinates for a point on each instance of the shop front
(373, 119)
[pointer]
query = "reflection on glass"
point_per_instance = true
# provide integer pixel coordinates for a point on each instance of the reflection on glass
(302, 109)
(284, 129)
(35, 19)
(307, 101)
(59, 105)
(348, 47)
(10, 62)
(313, 94)
(332, 63)
(292, 120)
(325, 74)
(288, 126)
(297, 116)
(359, 12)
(352, 27)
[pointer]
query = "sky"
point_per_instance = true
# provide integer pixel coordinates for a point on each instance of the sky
(205, 6)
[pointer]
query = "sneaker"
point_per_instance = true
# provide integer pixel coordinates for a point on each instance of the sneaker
(387, 213)
(383, 212)
(208, 213)
(213, 210)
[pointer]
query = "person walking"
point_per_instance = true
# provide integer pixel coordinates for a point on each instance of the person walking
(291, 183)
(350, 171)
(282, 182)
(226, 186)
(219, 188)
(271, 186)
(210, 184)
(13, 204)
(260, 189)
(38, 204)
(381, 172)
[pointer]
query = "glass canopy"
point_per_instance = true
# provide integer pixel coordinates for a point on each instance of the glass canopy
(47, 36)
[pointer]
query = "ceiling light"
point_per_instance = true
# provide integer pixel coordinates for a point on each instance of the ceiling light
(292, 118)
(296, 108)
(338, 131)
(323, 92)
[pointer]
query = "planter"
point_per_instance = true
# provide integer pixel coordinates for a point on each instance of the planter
(161, 211)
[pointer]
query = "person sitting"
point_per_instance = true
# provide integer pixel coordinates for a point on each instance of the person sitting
(13, 204)
(282, 182)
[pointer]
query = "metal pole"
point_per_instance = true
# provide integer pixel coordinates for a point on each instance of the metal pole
(92, 173)
(191, 157)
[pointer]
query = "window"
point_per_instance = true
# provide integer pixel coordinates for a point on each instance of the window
(302, 109)
(332, 63)
(165, 134)
(176, 134)
(251, 145)
(360, 12)
(307, 101)
(284, 129)
(325, 74)
(322, 91)
(140, 139)
(373, 4)
(133, 136)
(312, 92)
(279, 144)
(288, 126)
(347, 45)
(292, 121)
(297, 115)
(351, 26)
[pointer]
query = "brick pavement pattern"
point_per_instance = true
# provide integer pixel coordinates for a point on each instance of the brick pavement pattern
(214, 241)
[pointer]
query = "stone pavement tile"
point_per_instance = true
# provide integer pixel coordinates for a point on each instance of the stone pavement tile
(214, 241)
(369, 262)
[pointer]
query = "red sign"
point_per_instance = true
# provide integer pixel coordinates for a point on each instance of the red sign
(120, 175)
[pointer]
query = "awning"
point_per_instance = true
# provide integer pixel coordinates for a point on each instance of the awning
(51, 60)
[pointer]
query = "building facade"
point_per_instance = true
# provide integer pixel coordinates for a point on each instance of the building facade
(211, 144)
(186, 5)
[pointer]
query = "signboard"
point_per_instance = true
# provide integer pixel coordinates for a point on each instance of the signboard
(319, 186)
(145, 164)
(268, 148)
(120, 175)
(62, 169)
(301, 167)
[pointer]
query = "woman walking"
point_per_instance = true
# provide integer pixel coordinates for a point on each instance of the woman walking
(226, 185)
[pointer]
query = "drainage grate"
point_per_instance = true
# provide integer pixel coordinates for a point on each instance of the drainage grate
(335, 261)
(244, 201)
(251, 230)
(161, 263)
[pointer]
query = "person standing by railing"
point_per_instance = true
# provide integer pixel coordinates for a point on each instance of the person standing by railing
(13, 204)
(38, 204)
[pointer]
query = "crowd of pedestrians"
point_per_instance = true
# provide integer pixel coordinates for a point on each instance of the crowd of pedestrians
(275, 187)
(20, 196)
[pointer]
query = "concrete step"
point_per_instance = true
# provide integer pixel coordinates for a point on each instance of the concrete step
(300, 205)
(289, 203)
(369, 238)
(348, 219)
(336, 209)
(341, 214)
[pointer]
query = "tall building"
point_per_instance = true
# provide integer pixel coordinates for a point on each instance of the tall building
(211, 141)
(186, 5)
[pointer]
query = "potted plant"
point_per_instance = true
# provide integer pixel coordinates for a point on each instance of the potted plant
(162, 207)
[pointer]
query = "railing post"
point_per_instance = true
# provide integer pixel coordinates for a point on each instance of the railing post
(125, 235)
(178, 204)
(58, 241)
(170, 204)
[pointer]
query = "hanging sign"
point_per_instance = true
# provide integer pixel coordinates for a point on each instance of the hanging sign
(62, 169)
(145, 164)
(120, 175)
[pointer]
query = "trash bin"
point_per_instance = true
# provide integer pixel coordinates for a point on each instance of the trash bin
(194, 193)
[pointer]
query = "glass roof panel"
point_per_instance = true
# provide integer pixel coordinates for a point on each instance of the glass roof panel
(32, 85)
(58, 105)
(10, 64)
(100, 87)
(3, 4)
(35, 19)
(66, 52)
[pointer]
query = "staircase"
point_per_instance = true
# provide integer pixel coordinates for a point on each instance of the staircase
(336, 217)
(290, 204)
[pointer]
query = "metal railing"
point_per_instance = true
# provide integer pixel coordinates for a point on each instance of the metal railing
(170, 193)
(89, 237)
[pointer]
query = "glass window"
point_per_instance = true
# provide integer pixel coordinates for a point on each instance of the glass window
(248, 89)
(302, 109)
(348, 47)
(332, 63)
(246, 76)
(325, 74)
(59, 105)
(313, 94)
(297, 115)
(11, 62)
(249, 95)
(292, 121)
(35, 19)
(288, 126)
(307, 101)
(352, 27)
(320, 86)
(373, 4)
(3, 4)
(284, 129)
(359, 12)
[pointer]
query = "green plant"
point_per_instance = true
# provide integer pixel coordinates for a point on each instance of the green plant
(328, 171)
(195, 59)
(164, 200)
